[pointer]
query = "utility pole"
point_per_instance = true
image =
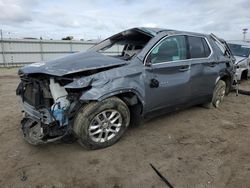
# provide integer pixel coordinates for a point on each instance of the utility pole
(2, 46)
(244, 33)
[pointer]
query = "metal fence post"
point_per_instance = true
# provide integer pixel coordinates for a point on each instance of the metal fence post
(71, 46)
(2, 46)
(41, 50)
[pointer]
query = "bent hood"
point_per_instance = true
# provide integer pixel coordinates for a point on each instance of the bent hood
(74, 63)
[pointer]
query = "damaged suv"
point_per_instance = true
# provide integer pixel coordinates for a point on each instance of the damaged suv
(140, 72)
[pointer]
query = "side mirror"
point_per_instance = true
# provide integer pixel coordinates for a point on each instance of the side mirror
(154, 83)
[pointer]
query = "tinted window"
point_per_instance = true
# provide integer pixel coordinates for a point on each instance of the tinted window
(206, 47)
(198, 47)
(220, 47)
(170, 49)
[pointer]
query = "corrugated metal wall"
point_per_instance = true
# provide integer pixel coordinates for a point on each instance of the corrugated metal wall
(15, 52)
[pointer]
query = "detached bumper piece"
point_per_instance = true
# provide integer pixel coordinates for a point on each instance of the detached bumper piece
(35, 133)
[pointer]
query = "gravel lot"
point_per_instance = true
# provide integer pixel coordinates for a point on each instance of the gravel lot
(193, 148)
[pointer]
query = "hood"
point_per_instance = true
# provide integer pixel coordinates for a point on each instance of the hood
(74, 63)
(239, 59)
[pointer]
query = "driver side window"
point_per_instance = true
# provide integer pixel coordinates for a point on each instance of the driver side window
(170, 49)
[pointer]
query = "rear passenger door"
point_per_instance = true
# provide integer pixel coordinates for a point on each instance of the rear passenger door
(204, 68)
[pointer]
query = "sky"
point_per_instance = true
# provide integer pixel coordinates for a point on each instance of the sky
(91, 19)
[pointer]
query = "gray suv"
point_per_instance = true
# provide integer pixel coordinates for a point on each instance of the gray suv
(141, 72)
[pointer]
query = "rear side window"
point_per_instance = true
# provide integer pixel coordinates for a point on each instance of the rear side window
(206, 47)
(219, 47)
(198, 47)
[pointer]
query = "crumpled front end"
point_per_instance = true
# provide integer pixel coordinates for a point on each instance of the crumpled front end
(47, 108)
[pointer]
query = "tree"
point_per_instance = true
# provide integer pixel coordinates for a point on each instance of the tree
(68, 38)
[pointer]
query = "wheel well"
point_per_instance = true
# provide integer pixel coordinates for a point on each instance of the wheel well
(135, 106)
(130, 99)
(227, 80)
(244, 74)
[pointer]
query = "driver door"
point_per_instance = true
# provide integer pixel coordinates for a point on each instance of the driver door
(168, 74)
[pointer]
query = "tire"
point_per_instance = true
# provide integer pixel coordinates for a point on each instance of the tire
(95, 121)
(218, 95)
(31, 131)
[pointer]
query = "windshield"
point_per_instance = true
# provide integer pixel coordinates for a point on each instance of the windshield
(123, 45)
(239, 50)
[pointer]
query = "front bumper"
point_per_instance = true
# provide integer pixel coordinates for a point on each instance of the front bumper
(30, 110)
(42, 115)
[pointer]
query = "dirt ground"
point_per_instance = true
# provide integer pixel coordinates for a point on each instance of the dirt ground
(193, 148)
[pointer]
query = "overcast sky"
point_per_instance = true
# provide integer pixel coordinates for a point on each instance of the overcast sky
(93, 18)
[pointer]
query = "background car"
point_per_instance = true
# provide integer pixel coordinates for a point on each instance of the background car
(241, 52)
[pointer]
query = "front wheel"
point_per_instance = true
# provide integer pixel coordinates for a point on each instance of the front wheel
(101, 124)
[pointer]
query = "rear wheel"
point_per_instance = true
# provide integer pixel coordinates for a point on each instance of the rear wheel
(218, 95)
(101, 124)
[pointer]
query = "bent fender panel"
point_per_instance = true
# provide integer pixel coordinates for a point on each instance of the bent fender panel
(116, 86)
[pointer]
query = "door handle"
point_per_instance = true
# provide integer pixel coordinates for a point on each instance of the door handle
(184, 68)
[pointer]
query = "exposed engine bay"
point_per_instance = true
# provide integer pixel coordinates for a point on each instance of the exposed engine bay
(46, 106)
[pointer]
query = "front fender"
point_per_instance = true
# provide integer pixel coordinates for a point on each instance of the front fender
(112, 82)
(115, 87)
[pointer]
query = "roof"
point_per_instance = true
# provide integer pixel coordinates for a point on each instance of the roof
(155, 31)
